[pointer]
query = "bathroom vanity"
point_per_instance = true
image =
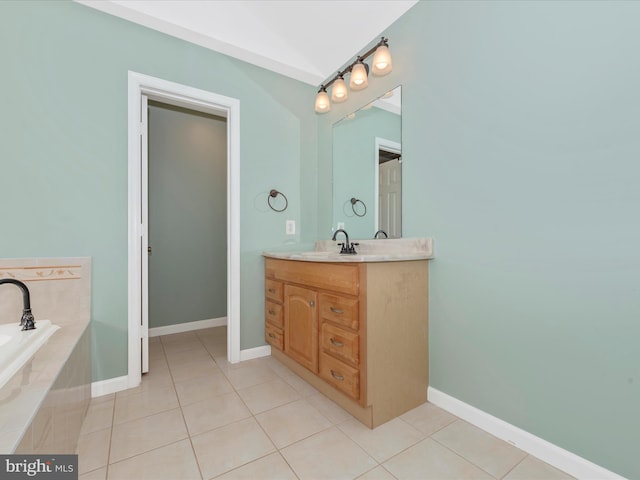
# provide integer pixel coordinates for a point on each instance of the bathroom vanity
(353, 326)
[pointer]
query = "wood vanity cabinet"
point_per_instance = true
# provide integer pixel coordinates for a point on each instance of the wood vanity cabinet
(355, 331)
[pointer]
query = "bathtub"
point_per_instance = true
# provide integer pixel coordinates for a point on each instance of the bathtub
(17, 347)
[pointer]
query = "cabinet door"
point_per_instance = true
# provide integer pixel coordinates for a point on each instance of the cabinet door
(301, 326)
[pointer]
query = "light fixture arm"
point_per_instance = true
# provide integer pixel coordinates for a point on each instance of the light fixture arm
(360, 58)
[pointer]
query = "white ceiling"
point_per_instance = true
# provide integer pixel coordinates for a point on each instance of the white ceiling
(308, 40)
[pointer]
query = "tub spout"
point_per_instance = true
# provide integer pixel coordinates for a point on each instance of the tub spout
(27, 322)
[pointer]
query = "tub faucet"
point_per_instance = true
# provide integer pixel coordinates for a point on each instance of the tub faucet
(27, 321)
(346, 246)
(375, 237)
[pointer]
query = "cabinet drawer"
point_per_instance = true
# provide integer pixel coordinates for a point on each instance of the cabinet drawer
(273, 313)
(342, 310)
(340, 375)
(341, 343)
(274, 336)
(336, 277)
(273, 290)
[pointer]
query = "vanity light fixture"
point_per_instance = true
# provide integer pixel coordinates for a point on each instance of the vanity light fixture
(359, 72)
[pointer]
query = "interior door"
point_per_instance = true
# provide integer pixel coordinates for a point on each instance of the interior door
(390, 198)
(144, 232)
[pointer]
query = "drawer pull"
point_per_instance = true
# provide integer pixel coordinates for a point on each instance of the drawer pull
(336, 376)
(339, 311)
(272, 312)
(272, 290)
(271, 335)
(336, 343)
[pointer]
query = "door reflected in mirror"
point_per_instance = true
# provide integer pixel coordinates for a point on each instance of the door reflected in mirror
(367, 165)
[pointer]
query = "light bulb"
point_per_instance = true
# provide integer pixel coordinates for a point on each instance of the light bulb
(322, 102)
(339, 92)
(358, 79)
(381, 61)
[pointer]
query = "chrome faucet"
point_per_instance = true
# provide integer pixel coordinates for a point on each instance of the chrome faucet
(347, 248)
(27, 322)
(375, 237)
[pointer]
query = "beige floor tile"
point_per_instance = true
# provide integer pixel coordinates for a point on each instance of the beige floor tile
(212, 333)
(152, 400)
(189, 370)
(533, 469)
(279, 368)
(197, 389)
(231, 446)
(154, 378)
(175, 338)
(250, 375)
(271, 467)
(195, 354)
(265, 396)
(93, 450)
(99, 416)
(384, 441)
(428, 460)
(216, 349)
(329, 408)
(483, 449)
(299, 385)
(182, 344)
(292, 422)
(172, 462)
(428, 418)
(378, 473)
(99, 474)
(214, 412)
(328, 454)
(145, 434)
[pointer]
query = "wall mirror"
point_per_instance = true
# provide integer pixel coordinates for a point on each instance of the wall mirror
(367, 169)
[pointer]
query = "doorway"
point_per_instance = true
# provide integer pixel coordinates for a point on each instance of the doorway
(388, 187)
(187, 179)
(141, 88)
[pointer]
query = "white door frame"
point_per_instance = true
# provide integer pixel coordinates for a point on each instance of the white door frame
(195, 99)
(389, 146)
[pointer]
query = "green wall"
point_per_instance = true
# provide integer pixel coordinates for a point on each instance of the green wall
(353, 167)
(521, 142)
(187, 215)
(64, 151)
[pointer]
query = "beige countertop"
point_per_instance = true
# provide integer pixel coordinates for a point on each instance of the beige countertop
(384, 250)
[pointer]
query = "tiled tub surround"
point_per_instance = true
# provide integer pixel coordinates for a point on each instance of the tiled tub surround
(383, 250)
(42, 406)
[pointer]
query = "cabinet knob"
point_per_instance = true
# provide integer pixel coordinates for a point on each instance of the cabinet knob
(336, 343)
(312, 303)
(337, 376)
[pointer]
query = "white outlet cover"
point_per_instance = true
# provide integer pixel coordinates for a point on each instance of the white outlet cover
(291, 227)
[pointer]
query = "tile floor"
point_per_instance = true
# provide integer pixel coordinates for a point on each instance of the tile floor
(196, 416)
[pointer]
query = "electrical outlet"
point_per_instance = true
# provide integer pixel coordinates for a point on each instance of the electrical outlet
(291, 227)
(340, 225)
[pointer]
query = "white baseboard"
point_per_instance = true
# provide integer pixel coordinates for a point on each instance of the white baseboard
(536, 446)
(111, 385)
(257, 352)
(187, 327)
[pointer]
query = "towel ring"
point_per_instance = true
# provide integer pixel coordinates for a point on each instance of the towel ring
(273, 194)
(354, 202)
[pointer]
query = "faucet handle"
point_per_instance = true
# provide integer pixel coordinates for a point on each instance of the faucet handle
(352, 249)
(342, 249)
